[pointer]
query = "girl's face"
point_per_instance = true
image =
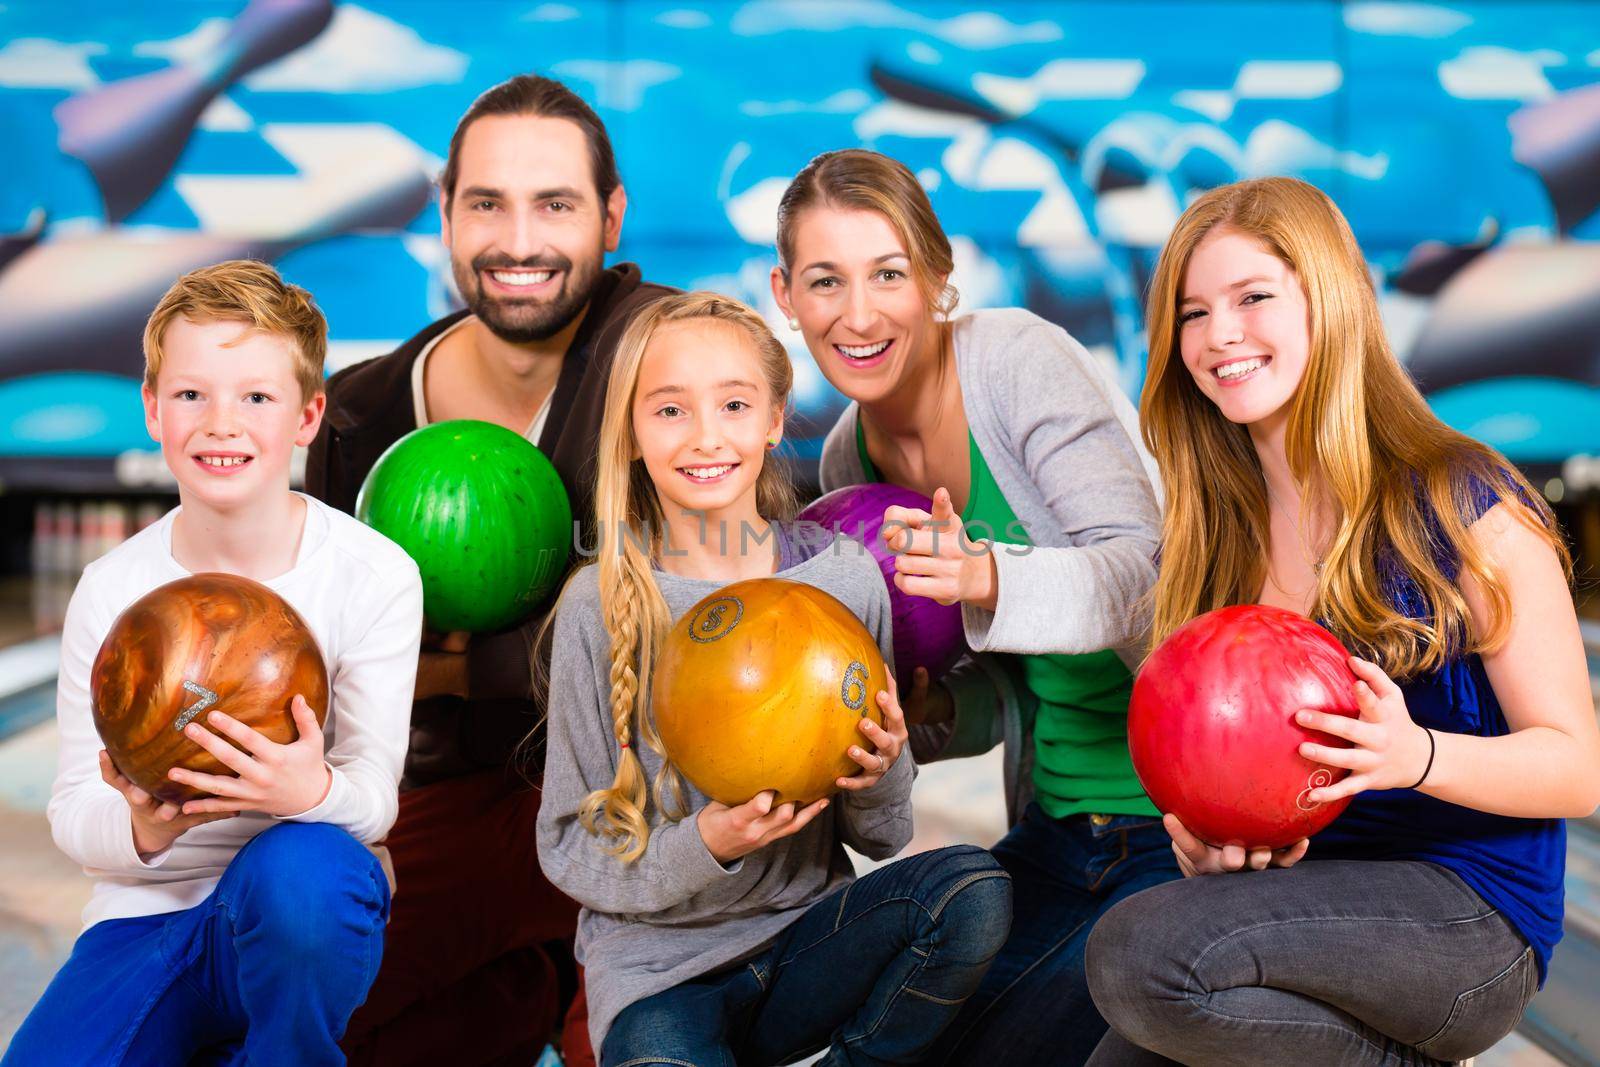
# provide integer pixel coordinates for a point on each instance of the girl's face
(861, 313)
(702, 416)
(1243, 328)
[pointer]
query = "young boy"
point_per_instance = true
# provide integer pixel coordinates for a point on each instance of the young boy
(247, 926)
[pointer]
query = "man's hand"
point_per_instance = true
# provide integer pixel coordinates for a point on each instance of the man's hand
(927, 704)
(442, 665)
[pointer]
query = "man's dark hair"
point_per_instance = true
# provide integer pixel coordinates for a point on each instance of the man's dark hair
(530, 94)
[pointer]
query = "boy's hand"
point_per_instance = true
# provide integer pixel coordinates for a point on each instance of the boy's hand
(730, 833)
(156, 824)
(280, 780)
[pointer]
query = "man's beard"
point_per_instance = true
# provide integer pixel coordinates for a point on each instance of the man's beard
(522, 321)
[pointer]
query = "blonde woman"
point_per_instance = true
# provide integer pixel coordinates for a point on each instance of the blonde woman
(712, 933)
(1008, 424)
(1304, 470)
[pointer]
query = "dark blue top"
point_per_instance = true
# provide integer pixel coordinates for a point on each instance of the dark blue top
(1516, 865)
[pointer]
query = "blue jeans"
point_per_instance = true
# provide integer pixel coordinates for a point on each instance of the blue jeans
(1033, 1006)
(872, 973)
(266, 970)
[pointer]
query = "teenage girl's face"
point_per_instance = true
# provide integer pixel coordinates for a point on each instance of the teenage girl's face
(702, 416)
(1243, 328)
(861, 314)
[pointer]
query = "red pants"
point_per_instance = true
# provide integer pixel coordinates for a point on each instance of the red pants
(575, 1048)
(467, 975)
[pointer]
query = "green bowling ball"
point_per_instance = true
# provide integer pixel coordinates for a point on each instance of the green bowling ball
(481, 511)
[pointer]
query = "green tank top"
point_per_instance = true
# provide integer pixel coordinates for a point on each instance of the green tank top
(1080, 734)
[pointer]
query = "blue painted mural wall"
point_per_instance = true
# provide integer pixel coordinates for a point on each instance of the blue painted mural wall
(1059, 142)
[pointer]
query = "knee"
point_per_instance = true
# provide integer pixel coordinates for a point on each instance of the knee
(1134, 973)
(307, 886)
(972, 901)
(644, 1033)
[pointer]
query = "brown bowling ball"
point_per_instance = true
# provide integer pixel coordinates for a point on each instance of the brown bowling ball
(763, 685)
(202, 643)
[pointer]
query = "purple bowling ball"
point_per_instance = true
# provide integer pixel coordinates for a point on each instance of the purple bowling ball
(926, 633)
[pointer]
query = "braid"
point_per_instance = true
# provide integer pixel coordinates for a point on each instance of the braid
(617, 813)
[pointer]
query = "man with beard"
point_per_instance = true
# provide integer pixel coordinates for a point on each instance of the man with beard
(477, 953)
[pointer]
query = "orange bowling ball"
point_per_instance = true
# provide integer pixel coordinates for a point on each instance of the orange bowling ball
(763, 685)
(202, 643)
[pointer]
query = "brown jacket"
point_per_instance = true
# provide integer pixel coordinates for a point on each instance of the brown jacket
(370, 407)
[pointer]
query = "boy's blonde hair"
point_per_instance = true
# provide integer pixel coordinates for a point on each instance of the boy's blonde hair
(250, 292)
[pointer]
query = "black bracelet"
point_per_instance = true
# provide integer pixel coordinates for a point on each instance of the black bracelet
(1432, 748)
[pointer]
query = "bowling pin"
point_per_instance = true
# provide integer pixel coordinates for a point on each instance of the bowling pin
(87, 543)
(80, 302)
(130, 133)
(42, 547)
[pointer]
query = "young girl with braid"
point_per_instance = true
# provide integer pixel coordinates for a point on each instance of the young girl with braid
(712, 933)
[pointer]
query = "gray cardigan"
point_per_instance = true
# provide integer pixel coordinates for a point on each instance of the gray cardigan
(1063, 444)
(676, 913)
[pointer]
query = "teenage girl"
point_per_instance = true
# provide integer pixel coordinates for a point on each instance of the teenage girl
(1304, 470)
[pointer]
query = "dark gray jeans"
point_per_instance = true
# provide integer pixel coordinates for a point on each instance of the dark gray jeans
(1327, 962)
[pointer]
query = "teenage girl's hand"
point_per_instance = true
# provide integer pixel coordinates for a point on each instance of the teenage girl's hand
(730, 833)
(280, 780)
(1197, 857)
(934, 558)
(887, 740)
(1390, 750)
(156, 824)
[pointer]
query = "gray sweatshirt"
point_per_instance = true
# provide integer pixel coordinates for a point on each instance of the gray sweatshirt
(1063, 444)
(676, 913)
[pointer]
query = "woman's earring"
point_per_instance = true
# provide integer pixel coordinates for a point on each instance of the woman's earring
(794, 323)
(771, 444)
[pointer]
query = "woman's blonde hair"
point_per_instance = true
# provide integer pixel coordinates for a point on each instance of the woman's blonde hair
(630, 522)
(1360, 440)
(862, 180)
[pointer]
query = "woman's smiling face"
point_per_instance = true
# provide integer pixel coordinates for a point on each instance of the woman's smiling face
(1243, 327)
(851, 287)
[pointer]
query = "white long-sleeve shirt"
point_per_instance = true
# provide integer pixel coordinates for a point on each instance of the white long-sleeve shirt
(362, 597)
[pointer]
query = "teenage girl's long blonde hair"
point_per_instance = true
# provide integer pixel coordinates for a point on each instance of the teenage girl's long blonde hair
(630, 523)
(1360, 439)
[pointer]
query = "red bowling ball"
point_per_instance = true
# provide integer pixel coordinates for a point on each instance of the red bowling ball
(1212, 731)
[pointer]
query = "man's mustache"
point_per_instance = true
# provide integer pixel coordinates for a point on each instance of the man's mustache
(490, 262)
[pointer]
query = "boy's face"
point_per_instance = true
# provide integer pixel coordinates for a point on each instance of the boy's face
(227, 411)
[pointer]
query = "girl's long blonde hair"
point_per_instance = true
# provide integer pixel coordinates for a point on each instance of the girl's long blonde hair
(630, 523)
(1360, 439)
